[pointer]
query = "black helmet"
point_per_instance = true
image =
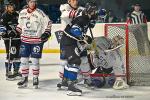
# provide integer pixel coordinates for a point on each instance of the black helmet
(137, 4)
(90, 7)
(10, 3)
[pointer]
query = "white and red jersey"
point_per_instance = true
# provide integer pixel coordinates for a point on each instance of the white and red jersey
(68, 13)
(33, 25)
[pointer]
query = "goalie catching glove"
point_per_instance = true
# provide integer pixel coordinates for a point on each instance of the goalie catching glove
(45, 36)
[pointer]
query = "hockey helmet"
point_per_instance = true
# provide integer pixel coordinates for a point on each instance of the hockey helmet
(90, 7)
(102, 13)
(31, 0)
(10, 3)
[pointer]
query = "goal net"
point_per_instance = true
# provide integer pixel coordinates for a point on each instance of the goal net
(136, 51)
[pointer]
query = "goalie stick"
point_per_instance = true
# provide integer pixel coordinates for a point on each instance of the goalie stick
(93, 43)
(113, 49)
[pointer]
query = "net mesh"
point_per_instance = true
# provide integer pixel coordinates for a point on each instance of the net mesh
(136, 52)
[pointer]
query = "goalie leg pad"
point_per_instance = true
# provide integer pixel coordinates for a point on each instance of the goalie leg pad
(120, 84)
(117, 61)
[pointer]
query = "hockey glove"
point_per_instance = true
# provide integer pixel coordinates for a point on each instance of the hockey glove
(45, 36)
(12, 34)
(92, 24)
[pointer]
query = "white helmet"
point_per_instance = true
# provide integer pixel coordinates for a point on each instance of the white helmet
(31, 0)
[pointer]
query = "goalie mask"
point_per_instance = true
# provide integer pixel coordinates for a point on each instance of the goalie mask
(117, 40)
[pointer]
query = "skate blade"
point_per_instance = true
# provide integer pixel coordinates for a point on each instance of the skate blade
(62, 88)
(87, 87)
(71, 93)
(10, 79)
(18, 78)
(22, 86)
(35, 86)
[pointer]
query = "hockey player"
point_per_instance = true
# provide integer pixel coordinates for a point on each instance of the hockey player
(35, 29)
(108, 58)
(74, 33)
(12, 41)
(68, 12)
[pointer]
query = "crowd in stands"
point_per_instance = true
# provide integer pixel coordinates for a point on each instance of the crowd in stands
(105, 15)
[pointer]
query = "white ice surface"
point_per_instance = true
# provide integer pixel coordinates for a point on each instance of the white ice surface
(48, 91)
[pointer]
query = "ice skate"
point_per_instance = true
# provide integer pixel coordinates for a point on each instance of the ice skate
(35, 82)
(8, 74)
(63, 84)
(23, 83)
(120, 85)
(89, 84)
(73, 90)
(14, 76)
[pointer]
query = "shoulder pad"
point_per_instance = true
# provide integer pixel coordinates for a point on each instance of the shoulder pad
(64, 7)
(81, 8)
(40, 12)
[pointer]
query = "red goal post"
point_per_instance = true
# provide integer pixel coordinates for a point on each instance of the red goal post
(136, 51)
(123, 32)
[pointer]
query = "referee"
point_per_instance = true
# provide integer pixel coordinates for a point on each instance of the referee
(138, 27)
(137, 16)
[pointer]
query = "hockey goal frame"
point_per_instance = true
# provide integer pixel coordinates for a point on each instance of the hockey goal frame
(106, 26)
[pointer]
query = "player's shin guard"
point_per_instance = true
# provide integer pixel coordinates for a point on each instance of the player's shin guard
(72, 71)
(24, 80)
(120, 84)
(8, 70)
(24, 72)
(35, 71)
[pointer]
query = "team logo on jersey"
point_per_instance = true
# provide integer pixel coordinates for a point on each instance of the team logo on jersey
(36, 49)
(77, 51)
(28, 24)
(13, 50)
(22, 48)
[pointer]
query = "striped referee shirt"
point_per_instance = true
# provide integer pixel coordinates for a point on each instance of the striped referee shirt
(136, 18)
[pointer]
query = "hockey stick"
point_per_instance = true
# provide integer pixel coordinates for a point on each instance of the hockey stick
(75, 38)
(9, 65)
(91, 33)
(113, 49)
(94, 43)
(11, 39)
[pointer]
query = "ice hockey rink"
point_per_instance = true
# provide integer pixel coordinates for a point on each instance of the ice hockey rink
(50, 65)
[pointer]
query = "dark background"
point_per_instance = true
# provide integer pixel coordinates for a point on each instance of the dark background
(119, 7)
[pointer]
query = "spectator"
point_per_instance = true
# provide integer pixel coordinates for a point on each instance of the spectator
(111, 18)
